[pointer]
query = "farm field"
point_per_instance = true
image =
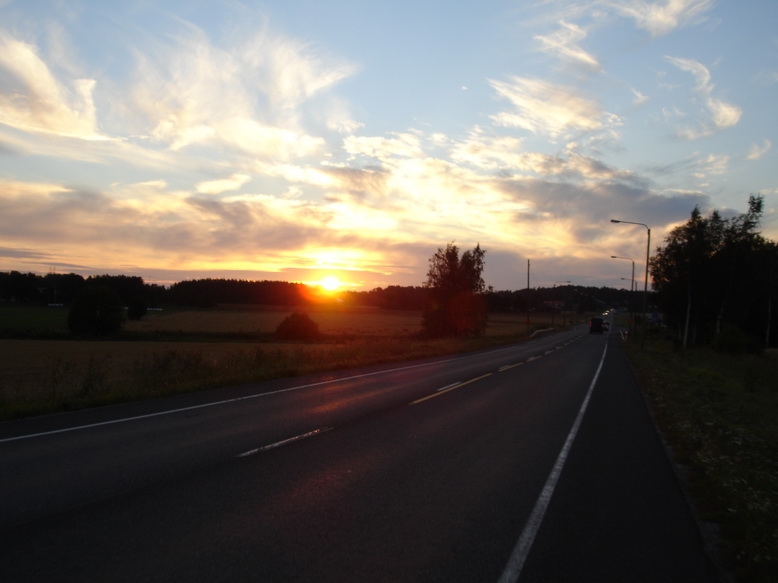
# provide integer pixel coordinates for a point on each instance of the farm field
(175, 351)
(265, 320)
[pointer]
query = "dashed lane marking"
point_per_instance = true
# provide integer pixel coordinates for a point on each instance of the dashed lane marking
(284, 442)
(445, 390)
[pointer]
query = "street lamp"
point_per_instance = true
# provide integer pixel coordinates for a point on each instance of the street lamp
(645, 283)
(632, 287)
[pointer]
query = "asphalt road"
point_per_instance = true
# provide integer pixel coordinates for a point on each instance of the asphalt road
(536, 462)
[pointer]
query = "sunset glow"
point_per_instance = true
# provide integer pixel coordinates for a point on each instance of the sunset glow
(330, 284)
(175, 140)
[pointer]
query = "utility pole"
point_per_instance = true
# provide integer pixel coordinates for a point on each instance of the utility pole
(528, 294)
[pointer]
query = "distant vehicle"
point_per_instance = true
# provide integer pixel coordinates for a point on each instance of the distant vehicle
(596, 326)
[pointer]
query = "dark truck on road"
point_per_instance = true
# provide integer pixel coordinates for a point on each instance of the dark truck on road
(596, 326)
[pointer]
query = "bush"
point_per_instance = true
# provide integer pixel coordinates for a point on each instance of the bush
(732, 340)
(298, 326)
(136, 308)
(96, 311)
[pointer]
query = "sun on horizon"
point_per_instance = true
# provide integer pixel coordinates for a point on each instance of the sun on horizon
(330, 284)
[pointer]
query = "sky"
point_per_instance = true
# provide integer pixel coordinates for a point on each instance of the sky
(306, 140)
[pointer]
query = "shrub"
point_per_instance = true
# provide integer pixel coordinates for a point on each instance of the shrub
(136, 308)
(298, 326)
(96, 311)
(732, 340)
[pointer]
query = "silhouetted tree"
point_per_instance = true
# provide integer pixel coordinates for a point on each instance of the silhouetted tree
(97, 311)
(298, 326)
(63, 288)
(136, 308)
(713, 272)
(456, 304)
(19, 287)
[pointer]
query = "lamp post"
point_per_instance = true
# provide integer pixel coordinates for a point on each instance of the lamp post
(645, 284)
(633, 269)
(631, 290)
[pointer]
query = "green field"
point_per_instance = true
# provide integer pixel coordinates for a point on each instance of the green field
(33, 320)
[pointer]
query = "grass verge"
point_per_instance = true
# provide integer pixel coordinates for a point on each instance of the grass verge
(718, 412)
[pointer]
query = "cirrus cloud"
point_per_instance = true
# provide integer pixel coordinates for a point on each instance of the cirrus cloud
(32, 99)
(661, 17)
(720, 115)
(542, 107)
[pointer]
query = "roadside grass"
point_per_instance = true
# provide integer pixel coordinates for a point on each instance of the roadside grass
(719, 414)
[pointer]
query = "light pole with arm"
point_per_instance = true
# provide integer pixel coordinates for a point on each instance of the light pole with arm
(645, 283)
(632, 287)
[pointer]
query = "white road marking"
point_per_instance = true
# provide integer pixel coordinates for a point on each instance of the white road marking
(284, 442)
(439, 392)
(520, 552)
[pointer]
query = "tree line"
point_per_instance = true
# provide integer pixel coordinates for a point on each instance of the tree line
(64, 288)
(54, 288)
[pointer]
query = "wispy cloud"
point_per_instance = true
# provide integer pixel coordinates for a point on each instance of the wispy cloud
(721, 115)
(382, 148)
(564, 44)
(33, 100)
(757, 151)
(249, 96)
(661, 17)
(639, 99)
(234, 182)
(545, 108)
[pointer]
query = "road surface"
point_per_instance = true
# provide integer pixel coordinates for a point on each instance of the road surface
(534, 462)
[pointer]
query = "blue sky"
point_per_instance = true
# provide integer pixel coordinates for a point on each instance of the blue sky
(299, 140)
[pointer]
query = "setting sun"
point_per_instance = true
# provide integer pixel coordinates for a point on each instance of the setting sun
(330, 283)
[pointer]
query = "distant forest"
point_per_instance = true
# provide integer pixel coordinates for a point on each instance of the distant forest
(55, 288)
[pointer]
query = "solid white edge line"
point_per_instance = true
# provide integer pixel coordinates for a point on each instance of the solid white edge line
(521, 551)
